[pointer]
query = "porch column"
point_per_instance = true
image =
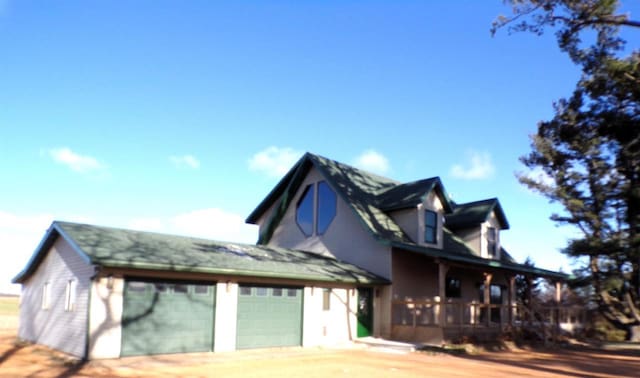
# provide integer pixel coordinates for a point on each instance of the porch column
(442, 284)
(487, 297)
(512, 298)
(558, 300)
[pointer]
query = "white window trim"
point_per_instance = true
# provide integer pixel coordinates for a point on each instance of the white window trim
(70, 295)
(422, 227)
(485, 241)
(46, 296)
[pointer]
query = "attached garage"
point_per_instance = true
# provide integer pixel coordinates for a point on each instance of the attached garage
(167, 317)
(269, 316)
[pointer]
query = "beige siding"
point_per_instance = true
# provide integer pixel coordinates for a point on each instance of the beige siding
(105, 323)
(346, 238)
(55, 327)
(407, 219)
(226, 314)
(471, 237)
(329, 327)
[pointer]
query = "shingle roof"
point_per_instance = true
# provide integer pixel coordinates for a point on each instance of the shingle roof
(473, 213)
(119, 248)
(371, 197)
(408, 195)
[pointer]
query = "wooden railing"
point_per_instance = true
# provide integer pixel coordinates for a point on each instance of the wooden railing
(475, 314)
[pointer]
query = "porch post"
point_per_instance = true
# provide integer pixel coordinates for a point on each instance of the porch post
(558, 300)
(442, 283)
(512, 298)
(487, 297)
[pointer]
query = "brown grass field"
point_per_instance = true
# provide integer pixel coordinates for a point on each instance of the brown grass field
(25, 360)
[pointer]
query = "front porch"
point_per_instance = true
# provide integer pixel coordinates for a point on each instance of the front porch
(436, 301)
(434, 322)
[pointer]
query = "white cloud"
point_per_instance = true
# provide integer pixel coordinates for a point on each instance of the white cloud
(274, 161)
(211, 223)
(478, 167)
(75, 161)
(185, 161)
(373, 161)
(20, 235)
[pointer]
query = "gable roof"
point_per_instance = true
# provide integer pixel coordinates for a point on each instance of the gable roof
(120, 248)
(473, 213)
(358, 188)
(408, 195)
(370, 197)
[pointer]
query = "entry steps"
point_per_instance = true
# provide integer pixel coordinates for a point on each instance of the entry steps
(382, 345)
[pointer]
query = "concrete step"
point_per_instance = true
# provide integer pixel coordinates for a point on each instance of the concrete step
(382, 345)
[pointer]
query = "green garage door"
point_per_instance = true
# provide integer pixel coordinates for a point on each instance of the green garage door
(167, 317)
(269, 317)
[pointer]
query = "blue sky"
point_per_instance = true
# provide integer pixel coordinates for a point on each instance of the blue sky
(180, 116)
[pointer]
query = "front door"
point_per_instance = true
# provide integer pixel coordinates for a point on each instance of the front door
(365, 312)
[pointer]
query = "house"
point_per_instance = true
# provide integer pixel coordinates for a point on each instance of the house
(341, 254)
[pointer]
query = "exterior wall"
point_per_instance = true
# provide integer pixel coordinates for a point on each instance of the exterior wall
(471, 237)
(382, 312)
(226, 317)
(432, 202)
(346, 239)
(55, 327)
(491, 222)
(337, 325)
(407, 219)
(105, 321)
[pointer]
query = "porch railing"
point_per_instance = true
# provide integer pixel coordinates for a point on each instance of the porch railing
(475, 314)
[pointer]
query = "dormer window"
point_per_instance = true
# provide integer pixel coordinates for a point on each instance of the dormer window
(316, 209)
(492, 242)
(430, 227)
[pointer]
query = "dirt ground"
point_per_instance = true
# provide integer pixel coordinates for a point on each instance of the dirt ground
(24, 360)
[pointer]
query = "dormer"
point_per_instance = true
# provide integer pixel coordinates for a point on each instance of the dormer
(419, 208)
(479, 224)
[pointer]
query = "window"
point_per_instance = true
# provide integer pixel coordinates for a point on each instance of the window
(326, 299)
(180, 288)
(46, 296)
(304, 211)
(453, 288)
(492, 242)
(326, 207)
(276, 292)
(292, 293)
(136, 287)
(161, 288)
(323, 199)
(201, 289)
(495, 298)
(261, 291)
(70, 296)
(245, 290)
(430, 227)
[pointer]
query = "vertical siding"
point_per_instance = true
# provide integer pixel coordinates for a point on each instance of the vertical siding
(345, 239)
(55, 327)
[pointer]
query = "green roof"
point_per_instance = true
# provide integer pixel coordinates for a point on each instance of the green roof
(119, 248)
(473, 213)
(372, 197)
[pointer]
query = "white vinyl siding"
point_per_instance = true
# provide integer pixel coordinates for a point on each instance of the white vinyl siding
(49, 287)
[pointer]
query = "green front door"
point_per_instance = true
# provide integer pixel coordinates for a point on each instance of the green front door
(167, 317)
(365, 312)
(269, 317)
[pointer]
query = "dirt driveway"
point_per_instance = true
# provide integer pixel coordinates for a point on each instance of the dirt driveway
(18, 360)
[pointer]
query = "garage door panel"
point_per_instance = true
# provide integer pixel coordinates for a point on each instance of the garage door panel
(167, 318)
(269, 317)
